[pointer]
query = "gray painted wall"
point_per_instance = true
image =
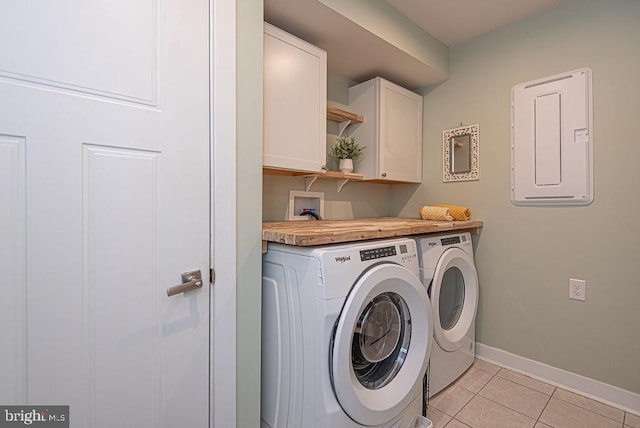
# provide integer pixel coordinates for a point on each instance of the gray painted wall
(249, 245)
(525, 256)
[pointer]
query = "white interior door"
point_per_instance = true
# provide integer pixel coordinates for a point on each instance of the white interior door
(104, 202)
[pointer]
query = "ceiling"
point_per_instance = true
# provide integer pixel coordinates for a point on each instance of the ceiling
(358, 54)
(457, 21)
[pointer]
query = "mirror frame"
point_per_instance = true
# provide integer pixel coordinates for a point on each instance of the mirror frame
(474, 174)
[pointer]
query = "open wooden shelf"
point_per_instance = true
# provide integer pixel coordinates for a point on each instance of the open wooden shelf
(343, 117)
(335, 174)
(338, 115)
(311, 177)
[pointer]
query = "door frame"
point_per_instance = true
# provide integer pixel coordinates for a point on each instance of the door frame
(222, 60)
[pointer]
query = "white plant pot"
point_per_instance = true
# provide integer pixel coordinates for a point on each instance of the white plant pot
(346, 165)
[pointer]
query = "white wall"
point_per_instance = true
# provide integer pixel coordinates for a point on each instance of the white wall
(526, 255)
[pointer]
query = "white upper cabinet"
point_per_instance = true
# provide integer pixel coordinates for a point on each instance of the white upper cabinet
(391, 132)
(295, 103)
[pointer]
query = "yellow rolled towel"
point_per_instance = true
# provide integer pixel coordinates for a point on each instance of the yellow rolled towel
(435, 213)
(457, 212)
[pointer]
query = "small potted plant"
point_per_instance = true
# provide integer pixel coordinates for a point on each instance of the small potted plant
(346, 150)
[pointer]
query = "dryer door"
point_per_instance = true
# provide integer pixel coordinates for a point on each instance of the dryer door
(381, 344)
(454, 298)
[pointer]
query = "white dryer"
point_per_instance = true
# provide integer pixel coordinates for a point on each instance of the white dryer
(346, 335)
(448, 272)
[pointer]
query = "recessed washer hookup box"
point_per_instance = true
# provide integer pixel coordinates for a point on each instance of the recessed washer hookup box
(300, 201)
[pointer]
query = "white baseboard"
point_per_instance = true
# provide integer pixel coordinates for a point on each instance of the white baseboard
(600, 391)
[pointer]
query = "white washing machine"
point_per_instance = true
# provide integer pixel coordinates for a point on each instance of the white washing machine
(448, 272)
(346, 335)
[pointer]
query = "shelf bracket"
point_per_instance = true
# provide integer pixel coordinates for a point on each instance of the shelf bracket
(342, 126)
(308, 181)
(340, 184)
(342, 178)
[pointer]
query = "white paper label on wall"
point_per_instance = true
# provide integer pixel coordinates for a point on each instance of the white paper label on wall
(552, 140)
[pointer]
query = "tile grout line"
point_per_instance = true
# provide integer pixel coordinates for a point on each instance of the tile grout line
(552, 395)
(583, 394)
(591, 411)
(545, 406)
(494, 375)
(475, 394)
(532, 389)
(514, 410)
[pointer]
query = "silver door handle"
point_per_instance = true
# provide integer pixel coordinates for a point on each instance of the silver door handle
(190, 281)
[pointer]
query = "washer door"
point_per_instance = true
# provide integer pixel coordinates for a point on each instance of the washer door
(454, 298)
(381, 344)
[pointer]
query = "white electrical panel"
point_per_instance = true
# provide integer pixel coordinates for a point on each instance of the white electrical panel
(552, 140)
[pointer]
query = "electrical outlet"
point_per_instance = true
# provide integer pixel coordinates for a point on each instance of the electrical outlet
(577, 289)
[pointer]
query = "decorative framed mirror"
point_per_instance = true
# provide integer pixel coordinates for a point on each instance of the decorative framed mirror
(460, 153)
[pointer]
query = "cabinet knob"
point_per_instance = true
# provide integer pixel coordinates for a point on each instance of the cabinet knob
(384, 174)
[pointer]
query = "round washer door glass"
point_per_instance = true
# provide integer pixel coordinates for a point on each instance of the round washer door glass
(451, 297)
(381, 344)
(381, 340)
(454, 298)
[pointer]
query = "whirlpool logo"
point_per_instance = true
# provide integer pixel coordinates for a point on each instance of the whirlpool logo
(343, 259)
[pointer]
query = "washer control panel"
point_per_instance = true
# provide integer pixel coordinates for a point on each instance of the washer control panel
(450, 240)
(403, 250)
(378, 253)
(344, 264)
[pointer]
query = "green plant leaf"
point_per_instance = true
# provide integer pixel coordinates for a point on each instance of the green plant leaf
(347, 148)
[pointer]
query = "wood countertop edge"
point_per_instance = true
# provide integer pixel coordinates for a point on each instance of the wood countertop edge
(354, 230)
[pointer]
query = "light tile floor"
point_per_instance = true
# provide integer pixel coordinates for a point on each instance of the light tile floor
(489, 396)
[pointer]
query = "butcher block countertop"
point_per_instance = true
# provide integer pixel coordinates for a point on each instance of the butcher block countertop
(320, 232)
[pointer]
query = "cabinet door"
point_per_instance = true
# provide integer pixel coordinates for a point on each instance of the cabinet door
(400, 145)
(295, 94)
